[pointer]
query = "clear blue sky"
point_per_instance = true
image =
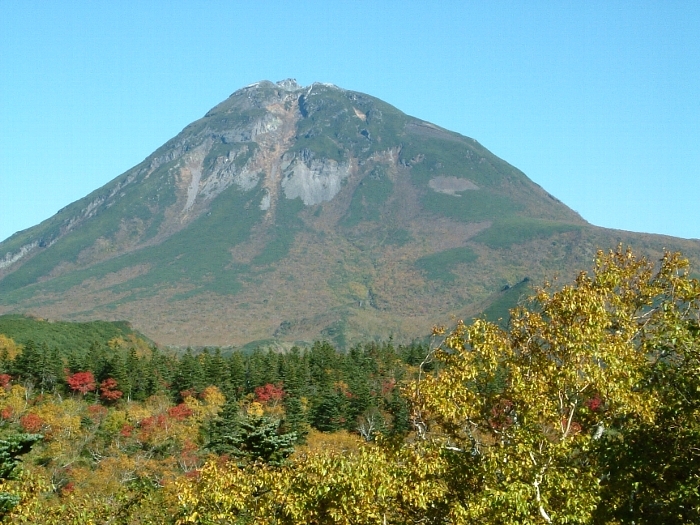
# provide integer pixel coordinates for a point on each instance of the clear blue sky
(597, 101)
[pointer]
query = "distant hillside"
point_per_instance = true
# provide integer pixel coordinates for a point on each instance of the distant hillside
(291, 213)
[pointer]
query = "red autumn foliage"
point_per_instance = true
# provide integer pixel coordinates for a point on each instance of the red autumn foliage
(108, 390)
(574, 427)
(189, 446)
(502, 418)
(7, 412)
(388, 385)
(126, 430)
(594, 403)
(269, 393)
(31, 423)
(97, 412)
(82, 382)
(192, 474)
(188, 457)
(149, 424)
(188, 393)
(180, 412)
(5, 380)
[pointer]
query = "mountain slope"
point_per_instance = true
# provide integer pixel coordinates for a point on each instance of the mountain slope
(294, 213)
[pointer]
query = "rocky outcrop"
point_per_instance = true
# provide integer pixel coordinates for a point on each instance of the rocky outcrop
(318, 181)
(10, 258)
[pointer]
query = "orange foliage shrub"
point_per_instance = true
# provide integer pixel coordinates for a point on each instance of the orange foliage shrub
(108, 390)
(31, 423)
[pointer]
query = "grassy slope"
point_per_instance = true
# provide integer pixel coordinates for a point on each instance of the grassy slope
(65, 336)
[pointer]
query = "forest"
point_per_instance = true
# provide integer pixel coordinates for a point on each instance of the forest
(584, 409)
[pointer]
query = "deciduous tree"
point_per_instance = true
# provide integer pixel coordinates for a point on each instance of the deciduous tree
(82, 382)
(109, 391)
(539, 423)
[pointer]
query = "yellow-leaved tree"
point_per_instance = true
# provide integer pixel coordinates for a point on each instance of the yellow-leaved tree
(584, 411)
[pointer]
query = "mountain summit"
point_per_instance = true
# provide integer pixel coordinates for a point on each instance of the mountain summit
(292, 213)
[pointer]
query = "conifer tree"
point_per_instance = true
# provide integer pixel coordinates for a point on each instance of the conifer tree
(136, 370)
(75, 361)
(215, 369)
(5, 361)
(295, 418)
(294, 372)
(359, 397)
(39, 365)
(400, 415)
(189, 375)
(164, 368)
(259, 439)
(10, 449)
(328, 413)
(97, 361)
(49, 369)
(323, 365)
(222, 430)
(255, 370)
(27, 362)
(236, 375)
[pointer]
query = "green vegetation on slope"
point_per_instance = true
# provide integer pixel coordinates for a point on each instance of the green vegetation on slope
(144, 201)
(430, 157)
(369, 197)
(508, 231)
(439, 266)
(331, 128)
(287, 224)
(470, 205)
(65, 336)
(499, 310)
(199, 255)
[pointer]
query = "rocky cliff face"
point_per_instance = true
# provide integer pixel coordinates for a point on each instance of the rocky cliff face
(295, 212)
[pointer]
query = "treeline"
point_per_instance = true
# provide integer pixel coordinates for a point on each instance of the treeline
(334, 389)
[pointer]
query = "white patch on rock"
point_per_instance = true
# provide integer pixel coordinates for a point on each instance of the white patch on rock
(451, 185)
(289, 84)
(247, 180)
(265, 202)
(193, 188)
(11, 258)
(317, 182)
(266, 124)
(359, 114)
(226, 173)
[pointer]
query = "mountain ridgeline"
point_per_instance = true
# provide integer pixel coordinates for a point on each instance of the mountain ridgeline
(292, 213)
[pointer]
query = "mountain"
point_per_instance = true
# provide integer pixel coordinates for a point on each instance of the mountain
(291, 213)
